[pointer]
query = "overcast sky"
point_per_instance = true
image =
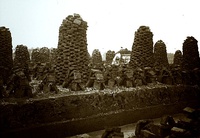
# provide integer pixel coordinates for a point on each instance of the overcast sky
(112, 23)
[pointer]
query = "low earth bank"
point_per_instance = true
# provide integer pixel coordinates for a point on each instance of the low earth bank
(70, 113)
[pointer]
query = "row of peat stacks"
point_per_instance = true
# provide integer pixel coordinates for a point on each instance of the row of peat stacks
(71, 66)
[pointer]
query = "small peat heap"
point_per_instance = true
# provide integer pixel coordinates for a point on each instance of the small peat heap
(35, 55)
(178, 58)
(41, 55)
(114, 132)
(96, 59)
(142, 49)
(109, 56)
(44, 54)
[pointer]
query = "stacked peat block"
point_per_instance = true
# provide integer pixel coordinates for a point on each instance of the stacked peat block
(142, 49)
(178, 58)
(22, 60)
(113, 133)
(96, 59)
(191, 58)
(35, 55)
(6, 61)
(188, 126)
(89, 58)
(109, 56)
(44, 54)
(52, 57)
(41, 55)
(160, 54)
(22, 57)
(72, 48)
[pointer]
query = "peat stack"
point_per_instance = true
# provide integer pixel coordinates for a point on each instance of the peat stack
(72, 47)
(35, 55)
(178, 58)
(41, 55)
(44, 54)
(52, 57)
(191, 58)
(160, 54)
(142, 49)
(6, 61)
(22, 57)
(96, 59)
(109, 56)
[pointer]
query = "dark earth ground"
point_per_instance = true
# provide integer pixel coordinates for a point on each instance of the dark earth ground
(128, 130)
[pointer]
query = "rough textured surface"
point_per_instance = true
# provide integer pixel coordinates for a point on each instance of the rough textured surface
(44, 54)
(6, 62)
(160, 54)
(35, 55)
(72, 47)
(22, 57)
(53, 54)
(70, 106)
(41, 55)
(178, 58)
(109, 56)
(96, 58)
(142, 49)
(191, 58)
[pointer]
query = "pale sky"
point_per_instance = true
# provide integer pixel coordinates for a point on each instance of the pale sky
(112, 23)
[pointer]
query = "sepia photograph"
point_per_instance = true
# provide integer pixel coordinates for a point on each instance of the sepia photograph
(99, 69)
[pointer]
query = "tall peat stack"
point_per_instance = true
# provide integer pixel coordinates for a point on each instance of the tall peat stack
(22, 57)
(191, 58)
(6, 61)
(160, 54)
(178, 58)
(142, 49)
(72, 47)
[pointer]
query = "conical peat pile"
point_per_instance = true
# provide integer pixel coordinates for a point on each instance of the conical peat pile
(160, 54)
(22, 57)
(142, 49)
(191, 58)
(96, 58)
(178, 58)
(72, 47)
(6, 61)
(109, 56)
